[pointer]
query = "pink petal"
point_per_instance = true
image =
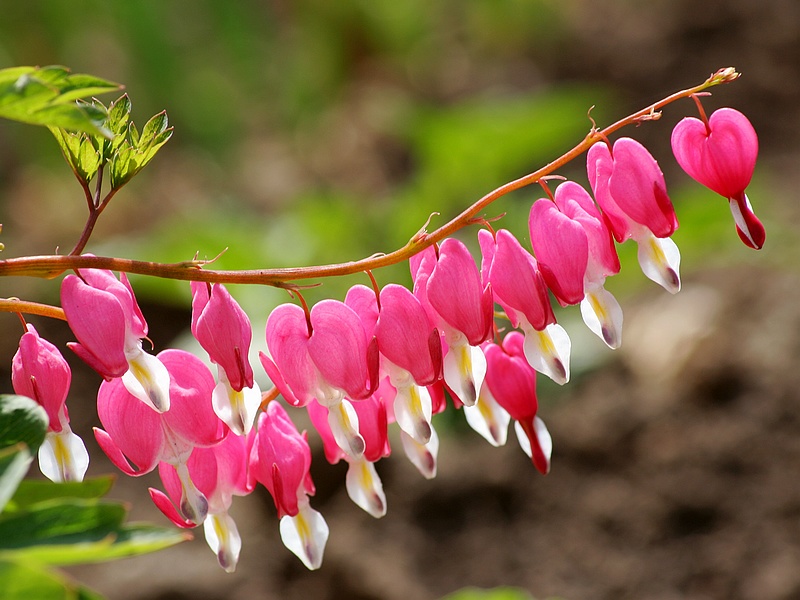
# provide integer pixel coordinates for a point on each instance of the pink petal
(319, 419)
(562, 250)
(637, 185)
(599, 167)
(517, 282)
(338, 347)
(288, 341)
(364, 303)
(511, 379)
(224, 331)
(404, 335)
(98, 320)
(132, 429)
(39, 361)
(165, 505)
(282, 458)
(575, 202)
(456, 293)
(191, 415)
(722, 159)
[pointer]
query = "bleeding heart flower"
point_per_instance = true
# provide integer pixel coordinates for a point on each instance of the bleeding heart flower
(219, 472)
(576, 253)
(630, 189)
(326, 357)
(518, 286)
(39, 371)
(459, 304)
(280, 460)
(103, 314)
(223, 330)
(720, 153)
(512, 383)
(137, 438)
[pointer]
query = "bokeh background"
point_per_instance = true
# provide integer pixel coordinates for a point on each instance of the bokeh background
(309, 132)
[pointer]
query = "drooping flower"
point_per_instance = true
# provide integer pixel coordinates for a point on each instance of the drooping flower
(413, 354)
(280, 459)
(512, 383)
(630, 189)
(327, 358)
(223, 330)
(362, 481)
(576, 253)
(39, 371)
(137, 438)
(519, 288)
(459, 304)
(103, 314)
(720, 153)
(219, 472)
(412, 350)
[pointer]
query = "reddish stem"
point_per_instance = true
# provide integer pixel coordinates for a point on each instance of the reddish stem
(52, 266)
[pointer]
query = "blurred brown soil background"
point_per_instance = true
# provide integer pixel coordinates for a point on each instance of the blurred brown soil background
(676, 462)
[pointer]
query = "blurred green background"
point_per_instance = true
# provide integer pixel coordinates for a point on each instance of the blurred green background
(311, 131)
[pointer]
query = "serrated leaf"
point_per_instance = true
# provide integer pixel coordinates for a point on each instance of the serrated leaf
(70, 144)
(22, 420)
(47, 96)
(24, 581)
(58, 522)
(121, 166)
(156, 125)
(32, 491)
(118, 115)
(88, 160)
(14, 463)
(129, 540)
(133, 134)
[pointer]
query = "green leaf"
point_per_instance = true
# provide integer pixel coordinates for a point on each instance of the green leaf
(155, 126)
(32, 491)
(22, 420)
(14, 463)
(123, 165)
(60, 522)
(47, 96)
(119, 114)
(129, 540)
(133, 154)
(23, 581)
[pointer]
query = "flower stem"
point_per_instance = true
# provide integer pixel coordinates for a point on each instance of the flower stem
(193, 270)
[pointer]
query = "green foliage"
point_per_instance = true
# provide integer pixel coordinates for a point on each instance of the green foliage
(133, 151)
(49, 96)
(22, 420)
(123, 147)
(45, 524)
(23, 581)
(501, 593)
(14, 463)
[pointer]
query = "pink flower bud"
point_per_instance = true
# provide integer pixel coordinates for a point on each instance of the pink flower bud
(39, 371)
(223, 330)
